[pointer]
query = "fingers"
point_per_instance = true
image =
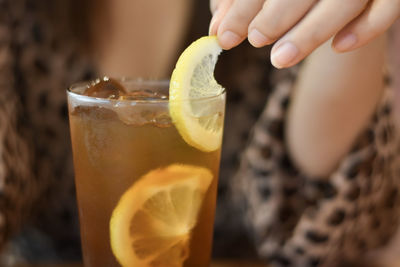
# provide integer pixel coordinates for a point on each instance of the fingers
(214, 5)
(233, 28)
(304, 25)
(267, 26)
(314, 29)
(375, 20)
(221, 8)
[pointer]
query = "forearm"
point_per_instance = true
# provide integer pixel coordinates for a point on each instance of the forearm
(334, 98)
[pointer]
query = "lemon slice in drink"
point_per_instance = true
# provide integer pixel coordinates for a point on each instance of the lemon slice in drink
(152, 222)
(194, 108)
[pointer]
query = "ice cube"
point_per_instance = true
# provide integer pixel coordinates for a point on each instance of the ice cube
(163, 120)
(106, 88)
(147, 95)
(134, 115)
(93, 112)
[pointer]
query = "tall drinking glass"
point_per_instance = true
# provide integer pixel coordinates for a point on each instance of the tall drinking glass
(146, 197)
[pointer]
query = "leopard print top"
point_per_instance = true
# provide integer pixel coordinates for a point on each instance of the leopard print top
(37, 64)
(297, 220)
(291, 219)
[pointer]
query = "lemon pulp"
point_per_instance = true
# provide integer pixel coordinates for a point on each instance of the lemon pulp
(196, 99)
(151, 224)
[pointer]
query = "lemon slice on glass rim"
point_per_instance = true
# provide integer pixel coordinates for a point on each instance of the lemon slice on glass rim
(196, 99)
(153, 220)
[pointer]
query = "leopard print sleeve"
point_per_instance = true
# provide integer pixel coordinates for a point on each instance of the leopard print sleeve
(17, 188)
(296, 220)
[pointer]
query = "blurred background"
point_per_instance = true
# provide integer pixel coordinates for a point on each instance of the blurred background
(47, 45)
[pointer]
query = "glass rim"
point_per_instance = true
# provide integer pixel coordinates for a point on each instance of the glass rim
(160, 83)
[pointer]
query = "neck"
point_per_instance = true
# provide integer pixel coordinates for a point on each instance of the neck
(139, 38)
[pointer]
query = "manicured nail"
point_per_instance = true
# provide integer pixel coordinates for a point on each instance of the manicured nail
(257, 39)
(284, 55)
(229, 39)
(346, 42)
(211, 30)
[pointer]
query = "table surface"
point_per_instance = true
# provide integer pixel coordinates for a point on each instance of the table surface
(236, 263)
(216, 263)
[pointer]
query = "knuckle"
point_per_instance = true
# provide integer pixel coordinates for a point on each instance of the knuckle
(269, 27)
(356, 4)
(376, 30)
(271, 35)
(316, 38)
(308, 42)
(238, 16)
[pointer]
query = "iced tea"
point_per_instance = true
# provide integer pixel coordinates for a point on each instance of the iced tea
(121, 136)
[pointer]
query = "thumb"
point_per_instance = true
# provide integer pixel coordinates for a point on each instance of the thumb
(214, 5)
(219, 8)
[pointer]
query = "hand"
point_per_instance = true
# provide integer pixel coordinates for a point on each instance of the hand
(300, 26)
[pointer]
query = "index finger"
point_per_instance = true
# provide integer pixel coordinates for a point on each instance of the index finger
(318, 26)
(219, 13)
(214, 5)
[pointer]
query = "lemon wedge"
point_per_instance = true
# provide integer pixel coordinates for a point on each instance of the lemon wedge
(196, 99)
(151, 224)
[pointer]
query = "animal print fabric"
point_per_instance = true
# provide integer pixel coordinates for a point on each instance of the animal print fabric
(37, 204)
(293, 220)
(297, 220)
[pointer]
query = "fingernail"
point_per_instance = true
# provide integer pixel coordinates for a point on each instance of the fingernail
(229, 39)
(284, 55)
(257, 39)
(211, 30)
(345, 43)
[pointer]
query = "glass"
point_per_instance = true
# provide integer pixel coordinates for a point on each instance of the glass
(117, 143)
